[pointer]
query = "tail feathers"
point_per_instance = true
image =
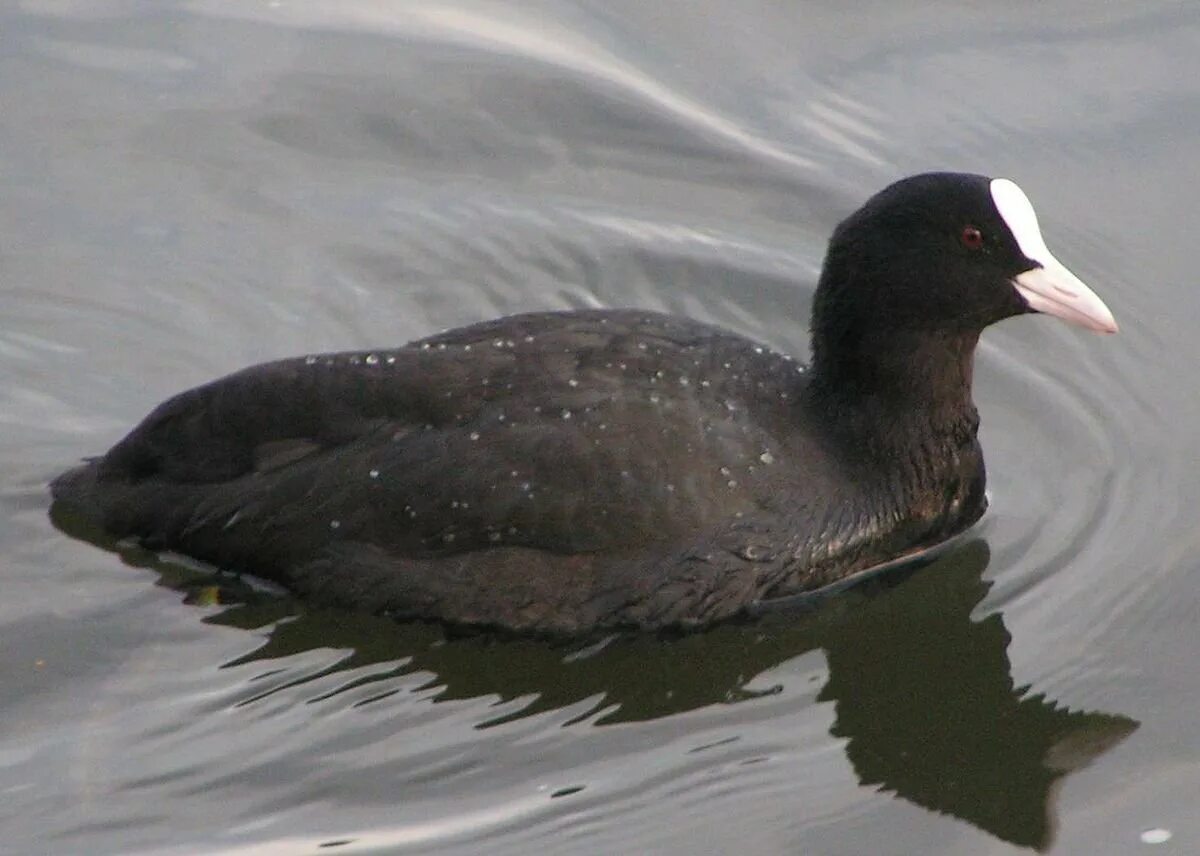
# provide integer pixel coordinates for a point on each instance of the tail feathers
(96, 495)
(77, 487)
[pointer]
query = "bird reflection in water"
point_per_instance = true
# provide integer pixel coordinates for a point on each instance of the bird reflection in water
(922, 692)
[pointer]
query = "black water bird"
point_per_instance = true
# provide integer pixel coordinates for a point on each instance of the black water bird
(566, 471)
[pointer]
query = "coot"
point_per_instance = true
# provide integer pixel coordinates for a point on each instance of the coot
(568, 471)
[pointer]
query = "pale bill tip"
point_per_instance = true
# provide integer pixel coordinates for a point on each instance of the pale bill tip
(1051, 288)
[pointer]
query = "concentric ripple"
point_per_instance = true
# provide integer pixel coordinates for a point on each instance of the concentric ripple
(191, 189)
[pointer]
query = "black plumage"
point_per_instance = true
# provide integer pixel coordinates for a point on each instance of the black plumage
(562, 472)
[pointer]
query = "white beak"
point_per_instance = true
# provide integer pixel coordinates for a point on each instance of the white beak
(1054, 290)
(1051, 288)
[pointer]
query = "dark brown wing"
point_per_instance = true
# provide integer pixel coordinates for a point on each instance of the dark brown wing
(569, 433)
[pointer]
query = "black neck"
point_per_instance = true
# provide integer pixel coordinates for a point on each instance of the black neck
(885, 392)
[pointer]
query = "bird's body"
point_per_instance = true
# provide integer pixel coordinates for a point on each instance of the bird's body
(562, 472)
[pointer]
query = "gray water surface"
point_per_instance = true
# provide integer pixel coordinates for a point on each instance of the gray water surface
(187, 188)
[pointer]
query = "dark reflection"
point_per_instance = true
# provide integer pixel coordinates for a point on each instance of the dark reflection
(925, 698)
(922, 692)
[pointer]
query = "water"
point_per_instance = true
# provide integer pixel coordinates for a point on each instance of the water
(189, 188)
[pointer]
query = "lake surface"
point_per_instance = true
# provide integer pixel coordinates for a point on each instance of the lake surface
(187, 188)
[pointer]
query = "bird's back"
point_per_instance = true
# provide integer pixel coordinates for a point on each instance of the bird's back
(542, 459)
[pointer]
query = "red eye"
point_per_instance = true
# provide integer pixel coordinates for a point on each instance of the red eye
(972, 238)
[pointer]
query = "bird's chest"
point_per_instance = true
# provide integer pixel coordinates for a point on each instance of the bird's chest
(942, 495)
